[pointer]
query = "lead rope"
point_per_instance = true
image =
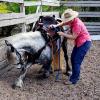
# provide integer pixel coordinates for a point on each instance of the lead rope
(59, 70)
(52, 53)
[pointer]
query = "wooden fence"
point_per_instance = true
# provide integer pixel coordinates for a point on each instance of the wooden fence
(93, 27)
(21, 18)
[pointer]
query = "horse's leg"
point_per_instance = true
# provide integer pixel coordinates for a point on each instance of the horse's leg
(19, 82)
(64, 47)
(47, 69)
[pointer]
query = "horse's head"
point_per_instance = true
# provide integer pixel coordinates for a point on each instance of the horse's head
(15, 56)
(43, 25)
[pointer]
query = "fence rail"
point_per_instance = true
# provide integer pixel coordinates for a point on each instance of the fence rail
(81, 3)
(12, 19)
(37, 3)
(14, 1)
(89, 14)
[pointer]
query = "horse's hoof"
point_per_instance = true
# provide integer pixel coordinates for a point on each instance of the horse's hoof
(18, 83)
(46, 74)
(13, 86)
(51, 72)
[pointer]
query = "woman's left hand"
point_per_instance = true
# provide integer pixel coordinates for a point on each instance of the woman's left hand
(60, 33)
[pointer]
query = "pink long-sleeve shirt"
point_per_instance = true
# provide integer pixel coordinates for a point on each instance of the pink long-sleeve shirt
(79, 29)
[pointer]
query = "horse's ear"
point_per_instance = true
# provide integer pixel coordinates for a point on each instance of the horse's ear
(9, 45)
(59, 20)
(53, 16)
(40, 18)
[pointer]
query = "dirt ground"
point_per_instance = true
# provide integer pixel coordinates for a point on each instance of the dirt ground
(88, 87)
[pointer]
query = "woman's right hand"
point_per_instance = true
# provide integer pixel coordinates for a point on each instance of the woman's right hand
(52, 26)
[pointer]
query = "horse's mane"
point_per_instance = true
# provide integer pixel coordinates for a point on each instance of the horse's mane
(48, 20)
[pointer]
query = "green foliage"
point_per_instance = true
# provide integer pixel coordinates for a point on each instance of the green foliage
(14, 7)
(49, 8)
(30, 10)
(4, 8)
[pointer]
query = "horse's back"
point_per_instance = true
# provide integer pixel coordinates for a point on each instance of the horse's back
(32, 39)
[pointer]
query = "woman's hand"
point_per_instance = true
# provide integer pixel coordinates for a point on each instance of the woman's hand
(61, 33)
(69, 36)
(52, 26)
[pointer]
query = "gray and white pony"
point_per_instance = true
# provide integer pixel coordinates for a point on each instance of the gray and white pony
(42, 25)
(31, 48)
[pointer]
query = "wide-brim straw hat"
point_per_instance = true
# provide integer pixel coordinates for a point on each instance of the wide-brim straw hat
(69, 15)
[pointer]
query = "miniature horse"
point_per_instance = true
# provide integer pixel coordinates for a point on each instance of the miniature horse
(30, 48)
(43, 24)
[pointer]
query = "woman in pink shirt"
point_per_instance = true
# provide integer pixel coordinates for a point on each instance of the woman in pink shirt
(79, 33)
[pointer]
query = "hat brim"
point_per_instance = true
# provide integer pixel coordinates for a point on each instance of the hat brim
(75, 14)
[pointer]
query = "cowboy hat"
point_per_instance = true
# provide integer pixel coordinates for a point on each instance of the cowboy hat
(69, 15)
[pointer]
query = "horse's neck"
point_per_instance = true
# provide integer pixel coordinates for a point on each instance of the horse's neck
(45, 36)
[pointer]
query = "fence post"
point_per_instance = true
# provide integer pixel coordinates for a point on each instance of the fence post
(37, 11)
(22, 9)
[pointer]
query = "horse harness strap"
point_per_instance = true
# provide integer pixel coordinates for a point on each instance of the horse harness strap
(20, 60)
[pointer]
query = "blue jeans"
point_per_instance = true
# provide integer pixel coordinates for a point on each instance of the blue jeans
(77, 57)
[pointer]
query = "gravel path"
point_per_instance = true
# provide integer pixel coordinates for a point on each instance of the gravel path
(88, 88)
